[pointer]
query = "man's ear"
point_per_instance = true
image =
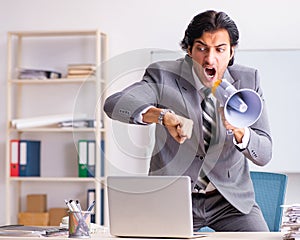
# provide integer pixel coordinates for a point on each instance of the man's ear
(231, 53)
(189, 51)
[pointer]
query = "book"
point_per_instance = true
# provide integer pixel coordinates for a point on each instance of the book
(38, 74)
(81, 75)
(47, 120)
(14, 158)
(82, 158)
(30, 158)
(82, 66)
(81, 70)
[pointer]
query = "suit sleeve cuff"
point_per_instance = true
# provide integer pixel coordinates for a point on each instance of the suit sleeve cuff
(245, 140)
(139, 117)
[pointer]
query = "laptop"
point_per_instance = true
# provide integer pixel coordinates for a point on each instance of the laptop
(150, 206)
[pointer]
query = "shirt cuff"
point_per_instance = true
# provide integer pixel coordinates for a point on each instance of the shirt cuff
(245, 140)
(139, 117)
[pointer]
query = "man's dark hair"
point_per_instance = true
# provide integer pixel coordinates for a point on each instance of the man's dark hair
(210, 21)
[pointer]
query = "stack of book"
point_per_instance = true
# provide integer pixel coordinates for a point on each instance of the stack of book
(38, 74)
(81, 70)
(291, 224)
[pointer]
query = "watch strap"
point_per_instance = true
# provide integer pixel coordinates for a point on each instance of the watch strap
(162, 115)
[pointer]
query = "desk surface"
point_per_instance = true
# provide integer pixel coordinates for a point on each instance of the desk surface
(210, 236)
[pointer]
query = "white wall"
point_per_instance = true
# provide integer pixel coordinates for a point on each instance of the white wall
(140, 24)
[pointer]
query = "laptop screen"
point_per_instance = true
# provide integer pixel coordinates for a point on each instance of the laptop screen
(150, 206)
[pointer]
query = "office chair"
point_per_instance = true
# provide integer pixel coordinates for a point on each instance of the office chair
(269, 191)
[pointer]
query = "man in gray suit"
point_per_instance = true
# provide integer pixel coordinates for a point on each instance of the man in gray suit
(223, 195)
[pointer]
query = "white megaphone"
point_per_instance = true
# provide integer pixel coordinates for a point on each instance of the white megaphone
(242, 107)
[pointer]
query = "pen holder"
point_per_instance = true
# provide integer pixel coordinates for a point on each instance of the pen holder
(79, 224)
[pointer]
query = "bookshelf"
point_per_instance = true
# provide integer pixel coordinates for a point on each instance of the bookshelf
(28, 98)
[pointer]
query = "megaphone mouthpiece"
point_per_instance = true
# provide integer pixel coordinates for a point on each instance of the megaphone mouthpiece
(237, 104)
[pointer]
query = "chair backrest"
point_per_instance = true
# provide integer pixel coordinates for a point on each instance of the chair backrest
(269, 191)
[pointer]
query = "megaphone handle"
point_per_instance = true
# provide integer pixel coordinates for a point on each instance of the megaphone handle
(229, 132)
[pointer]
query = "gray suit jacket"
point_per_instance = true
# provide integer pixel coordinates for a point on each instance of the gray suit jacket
(170, 84)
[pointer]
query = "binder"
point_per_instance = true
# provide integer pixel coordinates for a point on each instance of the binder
(102, 207)
(30, 158)
(90, 198)
(14, 158)
(91, 145)
(82, 158)
(102, 160)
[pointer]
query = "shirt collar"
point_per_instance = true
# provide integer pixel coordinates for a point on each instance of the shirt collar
(199, 85)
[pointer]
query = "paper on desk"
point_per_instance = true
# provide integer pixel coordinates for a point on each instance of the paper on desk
(186, 126)
(19, 233)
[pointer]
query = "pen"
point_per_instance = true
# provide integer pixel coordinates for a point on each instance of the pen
(74, 206)
(78, 205)
(88, 211)
(68, 205)
(90, 208)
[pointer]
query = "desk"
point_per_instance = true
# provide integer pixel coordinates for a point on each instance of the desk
(244, 236)
(210, 236)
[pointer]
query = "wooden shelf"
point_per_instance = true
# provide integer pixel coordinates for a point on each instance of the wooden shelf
(56, 130)
(53, 81)
(56, 33)
(56, 179)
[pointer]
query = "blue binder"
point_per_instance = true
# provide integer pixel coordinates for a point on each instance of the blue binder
(102, 160)
(90, 198)
(91, 155)
(30, 158)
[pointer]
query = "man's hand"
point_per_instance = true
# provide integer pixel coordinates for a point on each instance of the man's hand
(237, 132)
(186, 126)
(179, 128)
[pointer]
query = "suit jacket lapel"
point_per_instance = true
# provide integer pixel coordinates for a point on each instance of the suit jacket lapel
(192, 98)
(229, 78)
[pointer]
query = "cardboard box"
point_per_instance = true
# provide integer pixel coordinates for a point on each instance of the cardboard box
(36, 203)
(56, 214)
(33, 219)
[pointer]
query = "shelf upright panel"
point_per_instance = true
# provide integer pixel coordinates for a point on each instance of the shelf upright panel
(104, 56)
(8, 117)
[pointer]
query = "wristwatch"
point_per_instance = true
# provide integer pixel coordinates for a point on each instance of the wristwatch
(162, 115)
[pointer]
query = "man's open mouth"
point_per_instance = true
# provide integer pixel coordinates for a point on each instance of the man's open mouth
(210, 72)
